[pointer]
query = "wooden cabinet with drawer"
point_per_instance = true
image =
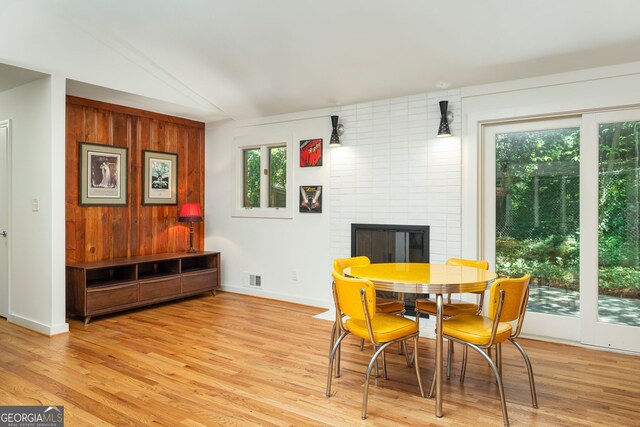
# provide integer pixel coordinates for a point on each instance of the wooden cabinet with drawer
(102, 287)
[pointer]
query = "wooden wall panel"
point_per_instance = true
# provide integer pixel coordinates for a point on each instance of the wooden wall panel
(102, 232)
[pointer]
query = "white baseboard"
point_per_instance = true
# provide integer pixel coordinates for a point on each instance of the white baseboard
(273, 295)
(48, 330)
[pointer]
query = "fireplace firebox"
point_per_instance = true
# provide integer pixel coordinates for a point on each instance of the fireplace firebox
(392, 243)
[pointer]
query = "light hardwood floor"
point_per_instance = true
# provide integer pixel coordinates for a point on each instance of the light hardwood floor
(234, 360)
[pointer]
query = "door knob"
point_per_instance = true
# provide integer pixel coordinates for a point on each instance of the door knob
(4, 234)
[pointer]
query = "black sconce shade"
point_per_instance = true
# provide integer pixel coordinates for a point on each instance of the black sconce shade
(443, 129)
(335, 138)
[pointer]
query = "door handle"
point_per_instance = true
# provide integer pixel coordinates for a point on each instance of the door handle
(3, 234)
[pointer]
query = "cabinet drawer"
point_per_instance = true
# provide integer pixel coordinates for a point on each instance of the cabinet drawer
(99, 299)
(159, 288)
(200, 281)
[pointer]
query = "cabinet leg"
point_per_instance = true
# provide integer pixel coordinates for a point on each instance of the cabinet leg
(213, 292)
(87, 319)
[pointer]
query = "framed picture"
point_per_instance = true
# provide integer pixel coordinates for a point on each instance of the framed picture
(159, 178)
(311, 198)
(311, 152)
(103, 175)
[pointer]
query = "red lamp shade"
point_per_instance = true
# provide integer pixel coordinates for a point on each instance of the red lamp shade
(190, 212)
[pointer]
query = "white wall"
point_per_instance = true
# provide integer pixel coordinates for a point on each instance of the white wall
(272, 248)
(37, 238)
(391, 169)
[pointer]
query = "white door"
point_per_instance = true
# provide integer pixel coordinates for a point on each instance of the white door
(531, 217)
(561, 201)
(4, 219)
(610, 250)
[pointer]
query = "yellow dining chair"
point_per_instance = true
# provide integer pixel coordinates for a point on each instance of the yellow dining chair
(453, 307)
(508, 303)
(383, 305)
(356, 298)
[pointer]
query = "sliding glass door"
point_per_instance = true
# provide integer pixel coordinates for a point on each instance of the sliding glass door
(611, 253)
(561, 202)
(532, 217)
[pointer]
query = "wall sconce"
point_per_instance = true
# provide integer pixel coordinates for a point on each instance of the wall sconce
(338, 130)
(446, 117)
(190, 212)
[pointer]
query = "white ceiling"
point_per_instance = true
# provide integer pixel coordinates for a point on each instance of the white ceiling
(241, 59)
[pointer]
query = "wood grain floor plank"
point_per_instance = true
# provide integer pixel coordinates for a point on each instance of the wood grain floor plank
(234, 360)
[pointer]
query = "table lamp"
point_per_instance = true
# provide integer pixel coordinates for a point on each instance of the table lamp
(190, 212)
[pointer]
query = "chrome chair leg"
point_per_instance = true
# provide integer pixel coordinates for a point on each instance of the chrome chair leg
(532, 385)
(499, 357)
(333, 336)
(433, 386)
(417, 364)
(332, 355)
(339, 353)
(503, 402)
(408, 358)
(334, 332)
(384, 365)
(463, 370)
(449, 351)
(374, 360)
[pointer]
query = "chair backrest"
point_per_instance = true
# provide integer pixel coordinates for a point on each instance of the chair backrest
(339, 264)
(484, 265)
(346, 292)
(515, 298)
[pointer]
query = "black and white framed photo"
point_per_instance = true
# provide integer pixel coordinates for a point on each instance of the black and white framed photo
(103, 175)
(159, 178)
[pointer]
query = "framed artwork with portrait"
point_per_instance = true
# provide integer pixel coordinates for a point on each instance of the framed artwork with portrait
(159, 178)
(103, 175)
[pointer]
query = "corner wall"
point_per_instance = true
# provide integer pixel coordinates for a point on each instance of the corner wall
(36, 280)
(291, 255)
(95, 233)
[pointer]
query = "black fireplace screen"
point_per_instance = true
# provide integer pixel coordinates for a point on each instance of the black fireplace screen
(390, 243)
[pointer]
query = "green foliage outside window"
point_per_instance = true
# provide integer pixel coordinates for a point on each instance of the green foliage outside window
(251, 178)
(277, 177)
(537, 207)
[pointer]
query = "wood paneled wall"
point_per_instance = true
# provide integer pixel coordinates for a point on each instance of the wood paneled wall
(101, 232)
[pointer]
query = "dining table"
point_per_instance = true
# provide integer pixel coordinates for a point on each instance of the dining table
(425, 278)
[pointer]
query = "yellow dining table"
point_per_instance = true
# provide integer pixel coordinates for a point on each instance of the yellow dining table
(421, 278)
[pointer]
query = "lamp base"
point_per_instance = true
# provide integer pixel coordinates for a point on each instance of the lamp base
(191, 250)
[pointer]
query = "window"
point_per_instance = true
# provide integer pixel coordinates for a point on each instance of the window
(263, 188)
(251, 178)
(278, 177)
